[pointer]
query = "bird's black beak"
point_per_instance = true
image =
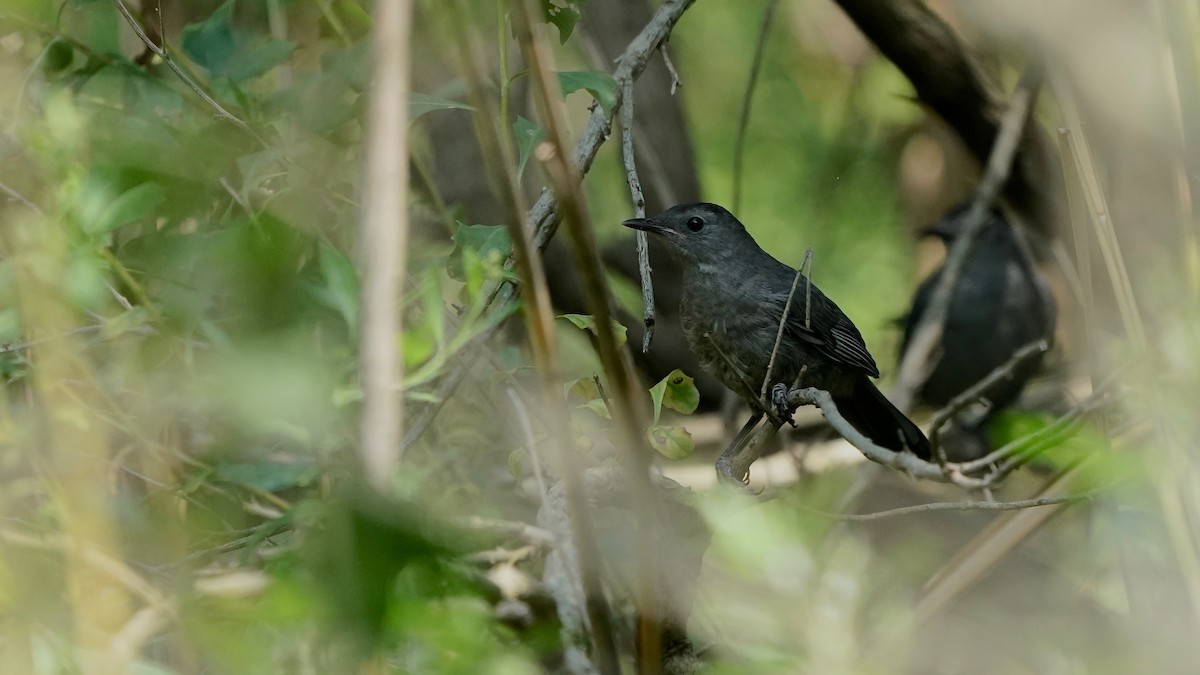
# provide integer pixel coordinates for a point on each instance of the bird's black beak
(937, 230)
(647, 225)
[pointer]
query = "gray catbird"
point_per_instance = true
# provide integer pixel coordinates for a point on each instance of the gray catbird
(734, 294)
(1000, 304)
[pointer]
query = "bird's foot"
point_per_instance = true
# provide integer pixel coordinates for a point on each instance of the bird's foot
(779, 403)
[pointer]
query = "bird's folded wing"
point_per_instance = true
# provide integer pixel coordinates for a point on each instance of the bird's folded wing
(831, 332)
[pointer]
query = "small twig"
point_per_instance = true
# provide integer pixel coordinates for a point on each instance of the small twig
(807, 262)
(972, 394)
(512, 529)
(787, 308)
(22, 346)
(500, 556)
(530, 443)
(918, 359)
(603, 394)
(950, 506)
(18, 197)
(162, 54)
(94, 556)
(676, 83)
(639, 211)
(257, 535)
(744, 118)
(1092, 402)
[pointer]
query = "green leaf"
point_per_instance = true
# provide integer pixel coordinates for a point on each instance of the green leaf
(434, 307)
(59, 55)
(341, 282)
(215, 46)
(260, 59)
(588, 323)
(583, 389)
(135, 204)
(210, 43)
(681, 392)
(528, 135)
(482, 240)
(516, 463)
(420, 104)
(269, 476)
(657, 392)
(599, 407)
(564, 14)
(671, 442)
(599, 84)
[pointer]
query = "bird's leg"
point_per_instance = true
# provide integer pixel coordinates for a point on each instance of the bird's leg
(724, 464)
(779, 403)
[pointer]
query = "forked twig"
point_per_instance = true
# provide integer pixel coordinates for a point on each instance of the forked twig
(639, 211)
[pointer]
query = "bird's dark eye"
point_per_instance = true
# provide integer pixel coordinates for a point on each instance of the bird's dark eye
(695, 223)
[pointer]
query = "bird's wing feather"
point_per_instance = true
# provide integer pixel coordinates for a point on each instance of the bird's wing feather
(829, 330)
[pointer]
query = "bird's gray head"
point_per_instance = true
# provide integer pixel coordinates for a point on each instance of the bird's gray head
(699, 233)
(950, 227)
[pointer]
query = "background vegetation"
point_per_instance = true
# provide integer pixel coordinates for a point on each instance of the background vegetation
(180, 271)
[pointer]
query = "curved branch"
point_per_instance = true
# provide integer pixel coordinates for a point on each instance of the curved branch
(947, 79)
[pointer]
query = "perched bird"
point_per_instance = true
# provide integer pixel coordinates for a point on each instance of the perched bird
(1000, 304)
(734, 294)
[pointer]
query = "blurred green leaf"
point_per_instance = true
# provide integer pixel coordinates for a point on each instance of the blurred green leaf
(341, 284)
(528, 135)
(657, 392)
(260, 59)
(59, 55)
(215, 46)
(269, 476)
(135, 204)
(210, 42)
(434, 306)
(671, 442)
(598, 406)
(599, 84)
(588, 323)
(420, 104)
(517, 459)
(483, 240)
(564, 14)
(583, 389)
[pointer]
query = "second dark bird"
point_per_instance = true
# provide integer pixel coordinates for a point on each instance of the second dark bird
(734, 294)
(999, 305)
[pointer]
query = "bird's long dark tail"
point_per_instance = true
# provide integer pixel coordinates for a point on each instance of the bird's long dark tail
(869, 411)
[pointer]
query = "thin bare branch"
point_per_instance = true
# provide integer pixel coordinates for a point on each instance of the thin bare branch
(530, 442)
(19, 198)
(512, 529)
(739, 145)
(951, 506)
(639, 211)
(972, 394)
(384, 238)
(676, 83)
(787, 308)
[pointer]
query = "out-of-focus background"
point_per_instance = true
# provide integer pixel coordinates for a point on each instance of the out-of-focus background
(181, 262)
